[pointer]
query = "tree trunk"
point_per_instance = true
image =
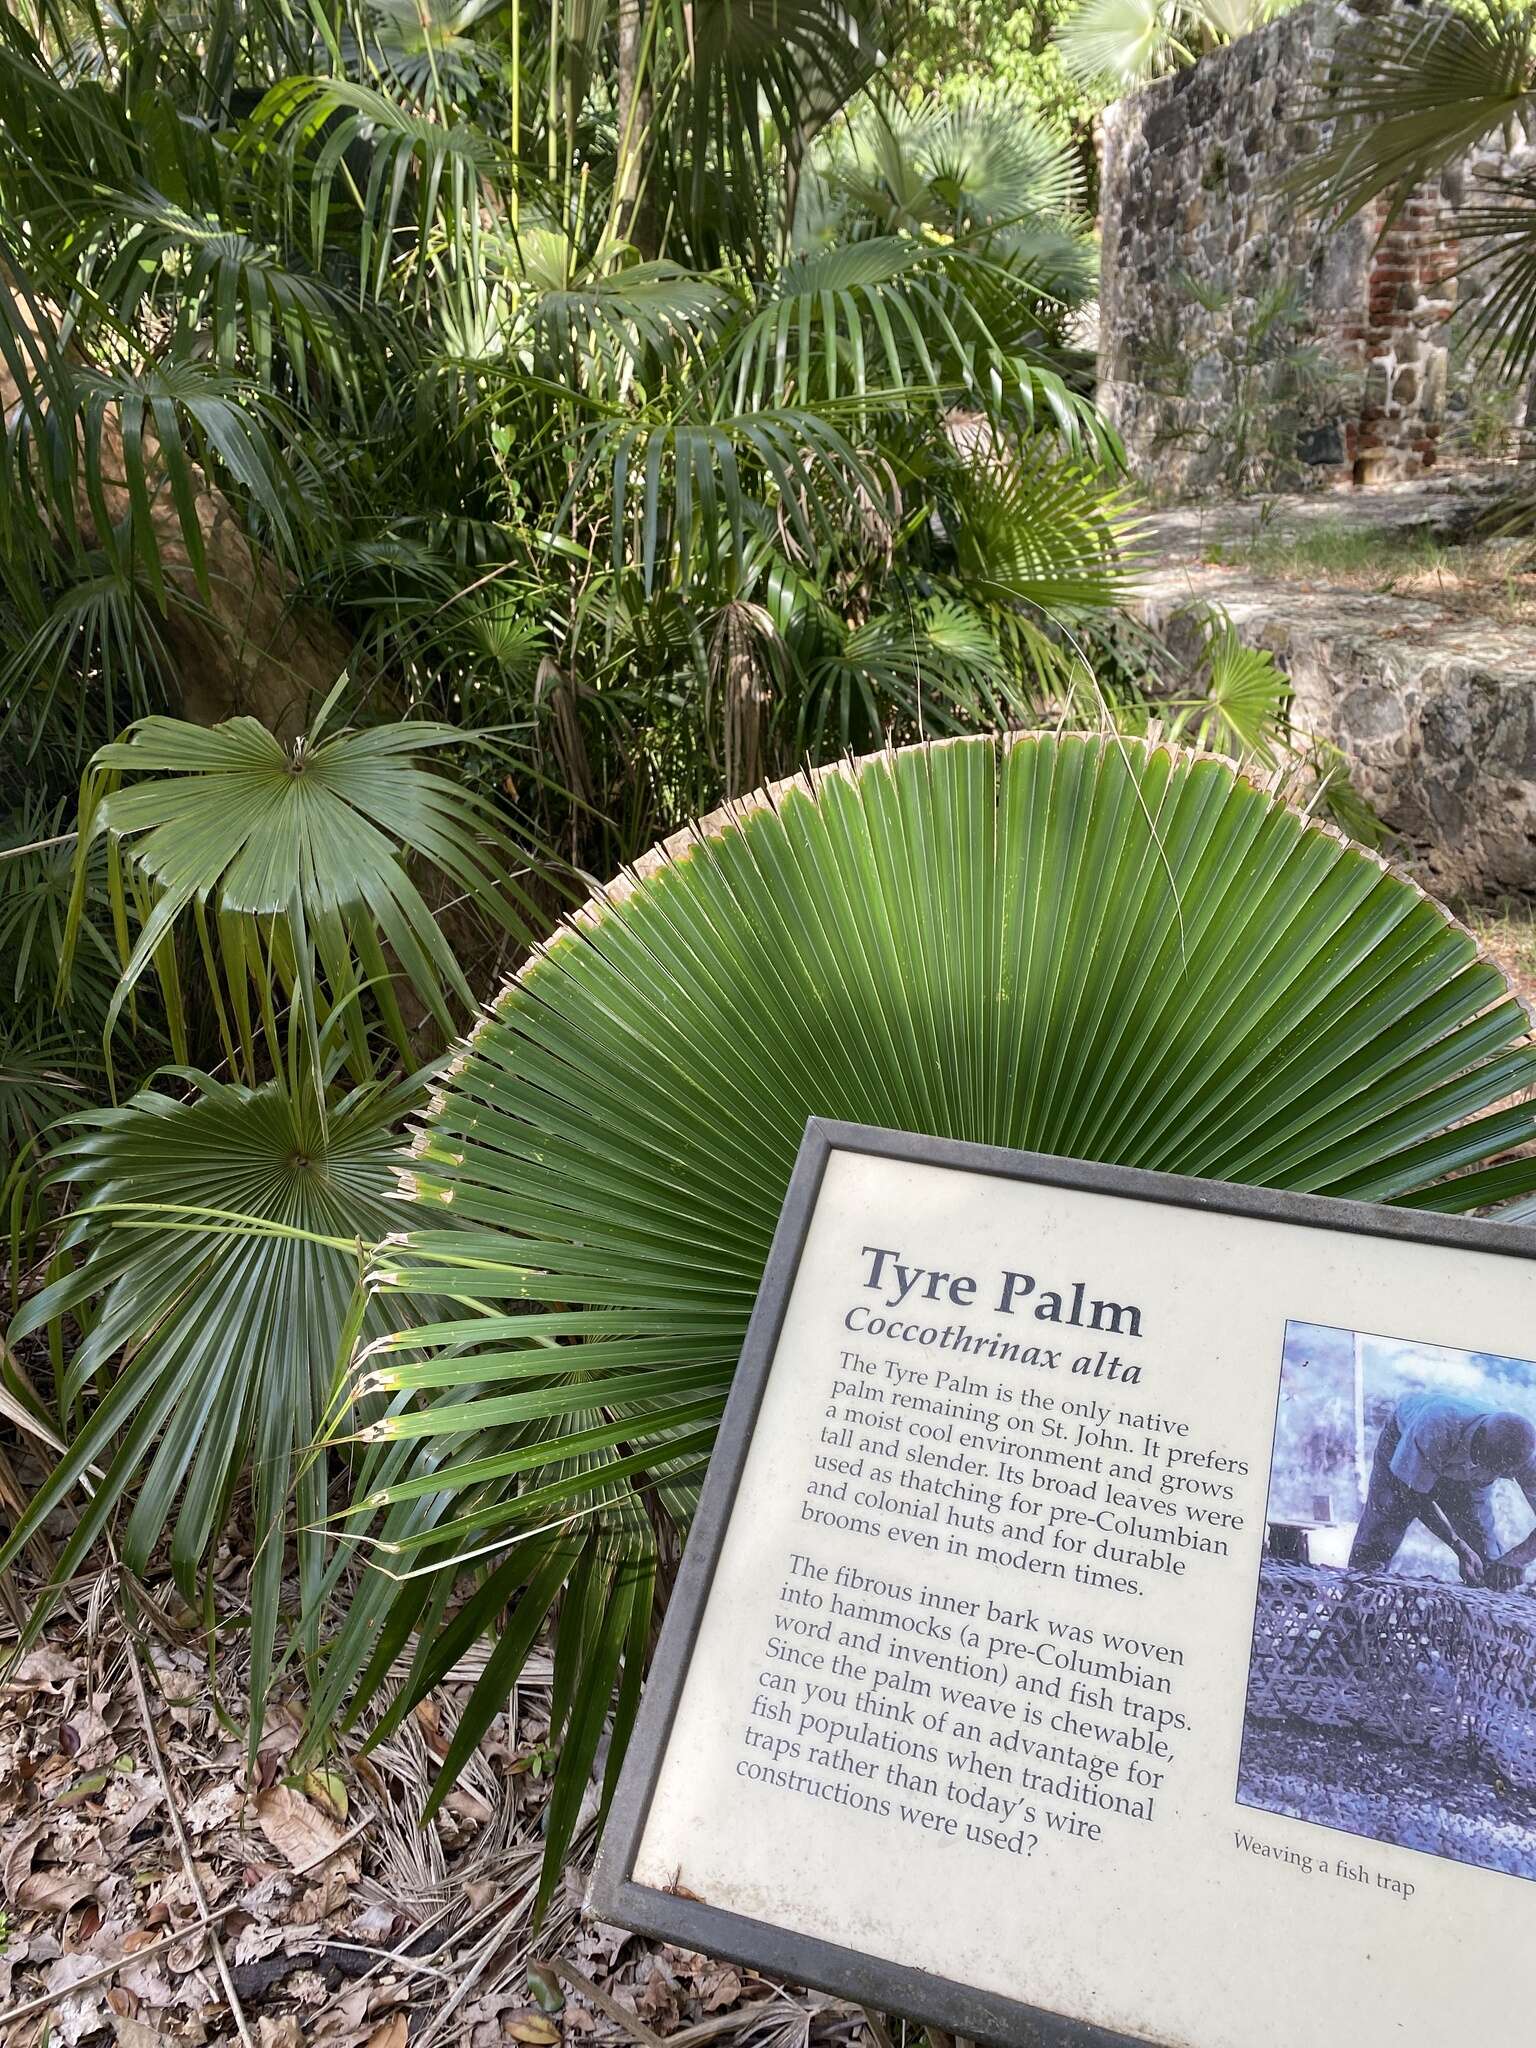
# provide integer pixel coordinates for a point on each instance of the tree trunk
(635, 217)
(245, 646)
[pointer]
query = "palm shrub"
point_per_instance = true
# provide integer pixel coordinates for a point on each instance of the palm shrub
(268, 901)
(211, 1257)
(1122, 43)
(286, 871)
(1081, 944)
(494, 354)
(379, 379)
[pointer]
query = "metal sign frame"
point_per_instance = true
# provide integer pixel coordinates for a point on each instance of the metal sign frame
(693, 1923)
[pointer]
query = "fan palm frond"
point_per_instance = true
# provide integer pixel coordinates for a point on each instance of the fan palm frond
(292, 865)
(211, 1349)
(1077, 945)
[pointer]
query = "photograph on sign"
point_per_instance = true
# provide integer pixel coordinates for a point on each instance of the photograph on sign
(1379, 1702)
(1079, 1578)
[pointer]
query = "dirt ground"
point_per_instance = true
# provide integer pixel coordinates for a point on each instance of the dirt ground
(1387, 1792)
(159, 1891)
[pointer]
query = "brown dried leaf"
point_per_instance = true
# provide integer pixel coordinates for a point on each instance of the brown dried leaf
(392, 2034)
(718, 1987)
(296, 1828)
(531, 2026)
(44, 1668)
(55, 1891)
(133, 2033)
(213, 1808)
(280, 2033)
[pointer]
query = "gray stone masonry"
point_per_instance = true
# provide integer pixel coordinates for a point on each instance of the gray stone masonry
(1435, 713)
(1241, 347)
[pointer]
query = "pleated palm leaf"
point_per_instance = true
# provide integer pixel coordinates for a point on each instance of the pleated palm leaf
(293, 866)
(1077, 944)
(211, 1259)
(1409, 97)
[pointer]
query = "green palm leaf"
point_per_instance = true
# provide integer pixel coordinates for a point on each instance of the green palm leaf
(684, 491)
(1243, 705)
(423, 172)
(1081, 945)
(1123, 41)
(888, 306)
(1412, 93)
(1409, 96)
(995, 164)
(294, 859)
(242, 292)
(231, 1336)
(1031, 529)
(644, 313)
(758, 77)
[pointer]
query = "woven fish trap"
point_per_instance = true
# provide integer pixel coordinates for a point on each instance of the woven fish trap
(1447, 1668)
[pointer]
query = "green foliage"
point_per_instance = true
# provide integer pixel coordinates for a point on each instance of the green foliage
(957, 48)
(1080, 945)
(528, 383)
(1242, 706)
(52, 1023)
(1122, 43)
(624, 421)
(291, 864)
(208, 1352)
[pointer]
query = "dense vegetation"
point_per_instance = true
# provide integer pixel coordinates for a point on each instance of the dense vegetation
(449, 446)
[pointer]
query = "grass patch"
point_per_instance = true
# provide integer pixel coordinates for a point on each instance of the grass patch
(1508, 935)
(1495, 578)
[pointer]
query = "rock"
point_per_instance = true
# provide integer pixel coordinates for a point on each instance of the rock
(1194, 182)
(1434, 713)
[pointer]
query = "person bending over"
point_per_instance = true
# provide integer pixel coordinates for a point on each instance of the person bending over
(1438, 1459)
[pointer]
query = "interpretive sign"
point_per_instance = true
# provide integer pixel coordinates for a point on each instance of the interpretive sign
(1105, 1617)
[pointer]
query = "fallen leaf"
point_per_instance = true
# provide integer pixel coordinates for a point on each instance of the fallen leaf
(55, 1891)
(720, 1990)
(134, 2034)
(45, 1667)
(392, 2034)
(296, 1828)
(329, 1789)
(532, 2027)
(211, 1809)
(283, 2033)
(544, 1987)
(82, 1789)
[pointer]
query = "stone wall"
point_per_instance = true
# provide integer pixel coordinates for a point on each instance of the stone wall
(1241, 347)
(1433, 707)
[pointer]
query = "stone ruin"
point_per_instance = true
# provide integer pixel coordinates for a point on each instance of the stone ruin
(1244, 349)
(1239, 344)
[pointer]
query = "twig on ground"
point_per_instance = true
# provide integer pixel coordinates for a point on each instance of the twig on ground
(396, 1957)
(146, 1714)
(636, 2028)
(201, 1925)
(473, 1974)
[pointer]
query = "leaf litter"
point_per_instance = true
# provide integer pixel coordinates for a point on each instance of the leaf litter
(159, 1893)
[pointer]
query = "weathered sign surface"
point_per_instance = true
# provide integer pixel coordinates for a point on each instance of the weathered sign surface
(953, 1712)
